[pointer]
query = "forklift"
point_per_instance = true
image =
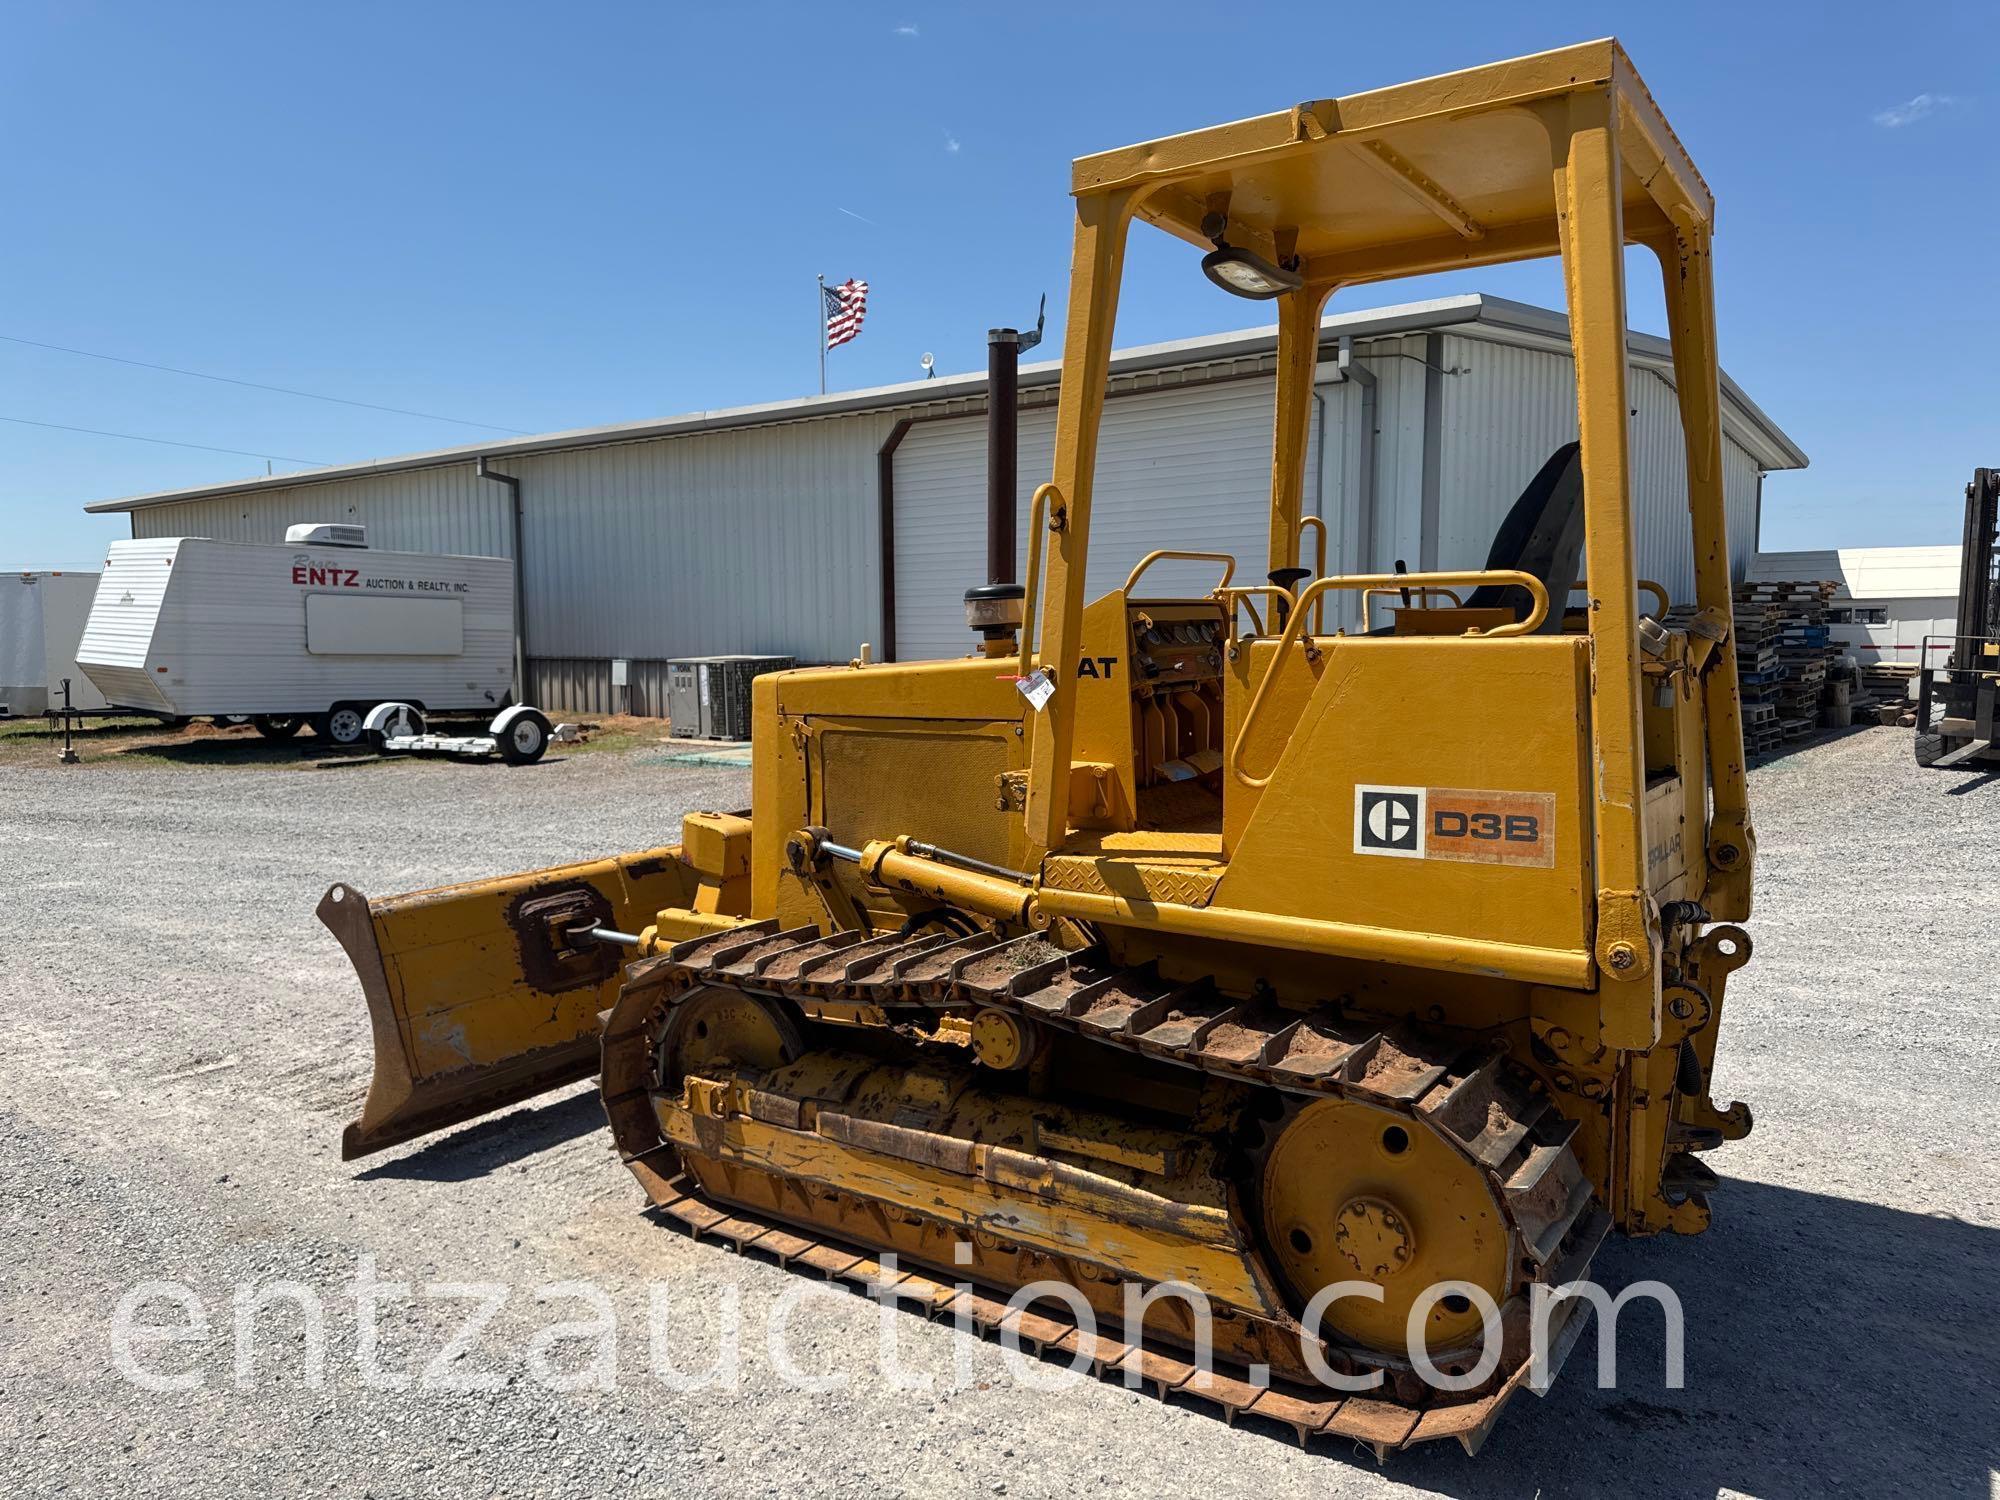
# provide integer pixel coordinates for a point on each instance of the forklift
(1955, 702)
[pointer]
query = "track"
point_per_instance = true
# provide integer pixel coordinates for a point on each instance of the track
(1489, 1112)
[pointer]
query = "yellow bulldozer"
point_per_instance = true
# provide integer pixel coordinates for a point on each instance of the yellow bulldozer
(1178, 941)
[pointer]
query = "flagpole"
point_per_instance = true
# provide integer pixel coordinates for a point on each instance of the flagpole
(822, 333)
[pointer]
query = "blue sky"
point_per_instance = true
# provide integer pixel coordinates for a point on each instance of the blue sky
(540, 217)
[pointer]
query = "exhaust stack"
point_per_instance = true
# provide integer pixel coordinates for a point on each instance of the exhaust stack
(994, 608)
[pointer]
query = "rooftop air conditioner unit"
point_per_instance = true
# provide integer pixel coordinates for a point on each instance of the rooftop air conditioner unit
(326, 534)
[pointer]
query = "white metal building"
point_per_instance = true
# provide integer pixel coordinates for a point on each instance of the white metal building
(1890, 597)
(805, 527)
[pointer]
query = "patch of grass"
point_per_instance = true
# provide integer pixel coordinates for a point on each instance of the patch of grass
(29, 742)
(97, 731)
(593, 738)
(141, 741)
(601, 732)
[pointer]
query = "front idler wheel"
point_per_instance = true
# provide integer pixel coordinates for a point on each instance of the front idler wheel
(1353, 1192)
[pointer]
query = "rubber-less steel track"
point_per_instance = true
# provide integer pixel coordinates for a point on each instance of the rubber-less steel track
(1488, 1110)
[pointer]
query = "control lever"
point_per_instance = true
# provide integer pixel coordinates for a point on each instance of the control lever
(1285, 578)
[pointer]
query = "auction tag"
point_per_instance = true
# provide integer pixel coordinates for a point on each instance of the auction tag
(1037, 688)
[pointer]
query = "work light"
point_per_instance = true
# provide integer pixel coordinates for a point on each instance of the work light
(1246, 274)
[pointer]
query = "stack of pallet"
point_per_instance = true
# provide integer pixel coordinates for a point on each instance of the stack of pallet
(1758, 626)
(1761, 732)
(1804, 644)
(1783, 648)
(1888, 686)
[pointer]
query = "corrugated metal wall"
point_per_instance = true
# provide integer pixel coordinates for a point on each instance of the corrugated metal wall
(582, 685)
(1512, 407)
(424, 510)
(766, 539)
(1397, 365)
(763, 541)
(1399, 448)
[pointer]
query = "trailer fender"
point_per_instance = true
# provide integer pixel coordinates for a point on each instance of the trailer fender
(504, 720)
(391, 721)
(393, 718)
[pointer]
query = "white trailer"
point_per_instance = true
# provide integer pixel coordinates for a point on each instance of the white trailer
(317, 630)
(41, 621)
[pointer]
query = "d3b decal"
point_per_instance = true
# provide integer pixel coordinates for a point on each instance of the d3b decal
(1456, 824)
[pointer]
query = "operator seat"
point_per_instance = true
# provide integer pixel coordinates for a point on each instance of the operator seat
(1542, 535)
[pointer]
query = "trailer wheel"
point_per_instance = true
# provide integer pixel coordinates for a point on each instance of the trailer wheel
(343, 724)
(278, 726)
(231, 721)
(525, 740)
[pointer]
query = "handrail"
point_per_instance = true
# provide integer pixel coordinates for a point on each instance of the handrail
(1227, 560)
(1037, 508)
(1424, 595)
(1318, 524)
(1504, 577)
(1241, 595)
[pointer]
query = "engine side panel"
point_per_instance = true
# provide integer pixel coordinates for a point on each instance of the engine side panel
(1431, 785)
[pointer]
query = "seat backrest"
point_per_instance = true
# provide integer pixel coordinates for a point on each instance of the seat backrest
(1542, 535)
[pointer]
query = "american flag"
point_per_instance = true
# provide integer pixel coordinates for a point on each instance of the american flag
(846, 304)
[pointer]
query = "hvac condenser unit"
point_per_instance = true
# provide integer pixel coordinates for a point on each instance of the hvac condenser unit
(708, 697)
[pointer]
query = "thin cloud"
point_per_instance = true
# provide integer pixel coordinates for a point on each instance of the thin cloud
(906, 31)
(1912, 110)
(951, 144)
(853, 215)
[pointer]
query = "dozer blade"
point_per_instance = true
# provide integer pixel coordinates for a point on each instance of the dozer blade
(484, 994)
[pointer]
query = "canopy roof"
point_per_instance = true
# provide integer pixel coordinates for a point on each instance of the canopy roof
(1447, 172)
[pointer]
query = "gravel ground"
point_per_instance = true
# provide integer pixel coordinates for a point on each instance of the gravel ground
(184, 1043)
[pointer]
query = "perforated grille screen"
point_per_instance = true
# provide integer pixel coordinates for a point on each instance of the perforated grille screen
(932, 784)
